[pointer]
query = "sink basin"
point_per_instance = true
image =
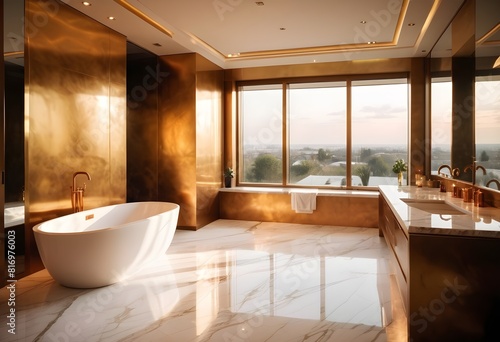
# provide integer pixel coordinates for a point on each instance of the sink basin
(434, 207)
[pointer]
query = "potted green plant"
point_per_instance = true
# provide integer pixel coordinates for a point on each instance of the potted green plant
(228, 175)
(399, 167)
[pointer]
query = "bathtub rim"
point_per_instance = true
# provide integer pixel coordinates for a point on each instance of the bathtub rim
(37, 228)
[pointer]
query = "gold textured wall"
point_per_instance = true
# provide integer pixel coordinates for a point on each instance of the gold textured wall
(209, 90)
(190, 135)
(330, 210)
(74, 113)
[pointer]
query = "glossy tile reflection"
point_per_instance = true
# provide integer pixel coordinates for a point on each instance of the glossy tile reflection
(230, 281)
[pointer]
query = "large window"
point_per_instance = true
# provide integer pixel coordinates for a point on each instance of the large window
(317, 133)
(337, 133)
(261, 142)
(379, 130)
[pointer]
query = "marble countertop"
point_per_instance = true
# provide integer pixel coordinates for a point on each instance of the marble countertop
(473, 221)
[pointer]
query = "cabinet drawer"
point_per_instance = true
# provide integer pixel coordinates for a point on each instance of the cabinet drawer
(395, 237)
(401, 248)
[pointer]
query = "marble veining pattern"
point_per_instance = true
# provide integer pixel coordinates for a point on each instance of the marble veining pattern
(230, 281)
(477, 221)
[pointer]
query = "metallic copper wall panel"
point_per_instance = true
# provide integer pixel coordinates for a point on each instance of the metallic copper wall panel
(463, 74)
(177, 135)
(209, 89)
(330, 210)
(67, 39)
(75, 117)
(190, 114)
(142, 129)
(393, 65)
(463, 134)
(117, 142)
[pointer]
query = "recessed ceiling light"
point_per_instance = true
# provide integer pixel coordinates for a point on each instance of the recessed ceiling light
(111, 18)
(411, 24)
(86, 3)
(259, 3)
(373, 42)
(363, 21)
(282, 28)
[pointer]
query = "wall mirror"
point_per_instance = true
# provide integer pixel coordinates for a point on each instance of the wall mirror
(14, 124)
(486, 92)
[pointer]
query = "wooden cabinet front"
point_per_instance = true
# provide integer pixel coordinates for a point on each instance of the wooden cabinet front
(397, 241)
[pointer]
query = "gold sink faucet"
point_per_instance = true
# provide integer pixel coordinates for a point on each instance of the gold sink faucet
(493, 181)
(473, 168)
(445, 166)
(77, 192)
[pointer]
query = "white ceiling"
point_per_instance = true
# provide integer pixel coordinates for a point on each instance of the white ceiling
(242, 33)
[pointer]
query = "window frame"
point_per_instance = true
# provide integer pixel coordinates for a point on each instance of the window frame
(284, 82)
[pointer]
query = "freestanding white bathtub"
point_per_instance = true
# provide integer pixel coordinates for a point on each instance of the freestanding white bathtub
(102, 246)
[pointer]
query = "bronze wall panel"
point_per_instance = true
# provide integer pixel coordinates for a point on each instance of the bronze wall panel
(393, 65)
(190, 137)
(117, 142)
(117, 52)
(68, 131)
(330, 210)
(67, 39)
(75, 117)
(209, 89)
(463, 74)
(142, 129)
(14, 132)
(463, 132)
(177, 135)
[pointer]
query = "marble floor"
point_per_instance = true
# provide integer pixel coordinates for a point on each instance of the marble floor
(229, 281)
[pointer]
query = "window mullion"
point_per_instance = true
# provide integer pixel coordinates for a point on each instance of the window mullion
(284, 134)
(349, 134)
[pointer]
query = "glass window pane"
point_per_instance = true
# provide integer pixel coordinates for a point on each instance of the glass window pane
(441, 102)
(261, 147)
(487, 123)
(317, 133)
(379, 130)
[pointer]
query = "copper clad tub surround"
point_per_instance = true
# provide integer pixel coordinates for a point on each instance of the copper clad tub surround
(75, 91)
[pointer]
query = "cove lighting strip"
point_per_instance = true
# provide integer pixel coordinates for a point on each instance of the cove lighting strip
(144, 17)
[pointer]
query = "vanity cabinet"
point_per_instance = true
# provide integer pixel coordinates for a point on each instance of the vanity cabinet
(446, 266)
(397, 241)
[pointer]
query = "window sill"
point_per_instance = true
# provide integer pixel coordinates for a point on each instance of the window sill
(321, 192)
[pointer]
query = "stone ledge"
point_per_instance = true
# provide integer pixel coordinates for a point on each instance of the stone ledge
(321, 192)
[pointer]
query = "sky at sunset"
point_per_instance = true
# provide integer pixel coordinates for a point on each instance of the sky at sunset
(380, 115)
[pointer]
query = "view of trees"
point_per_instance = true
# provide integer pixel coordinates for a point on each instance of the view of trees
(266, 167)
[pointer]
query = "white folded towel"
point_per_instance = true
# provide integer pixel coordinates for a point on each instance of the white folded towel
(303, 201)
